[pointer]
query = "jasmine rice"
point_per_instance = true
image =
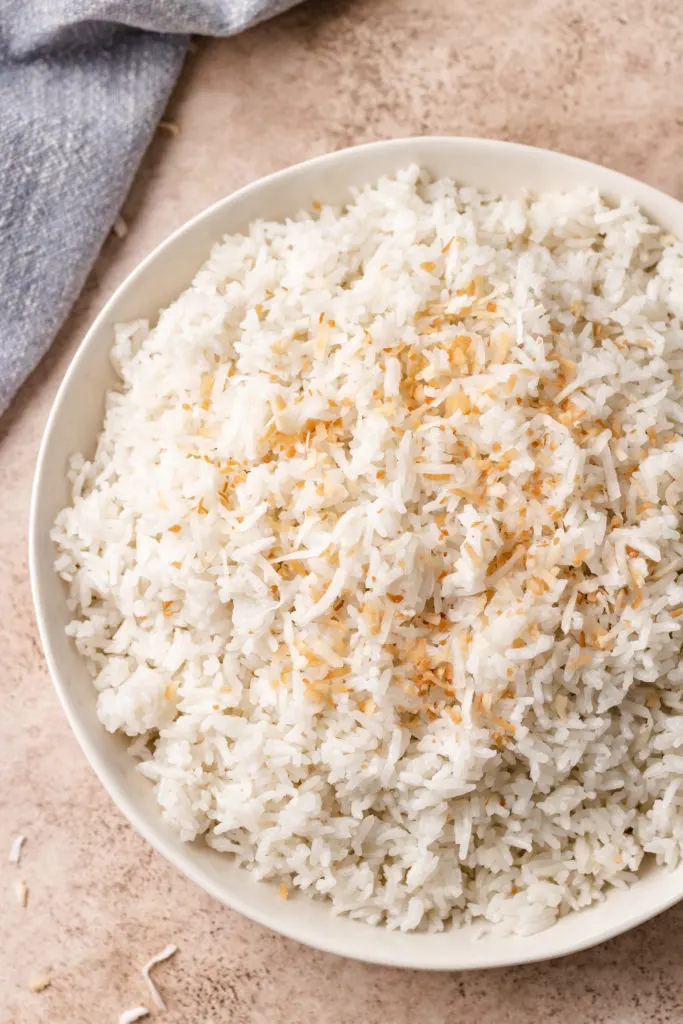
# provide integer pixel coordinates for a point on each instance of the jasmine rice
(378, 558)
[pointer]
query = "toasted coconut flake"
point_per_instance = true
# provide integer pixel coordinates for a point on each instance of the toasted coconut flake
(503, 724)
(637, 589)
(21, 891)
(418, 653)
(473, 554)
(40, 983)
(458, 403)
(169, 126)
(500, 347)
(373, 616)
(580, 662)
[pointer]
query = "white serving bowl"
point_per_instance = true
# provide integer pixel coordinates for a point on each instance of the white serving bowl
(74, 424)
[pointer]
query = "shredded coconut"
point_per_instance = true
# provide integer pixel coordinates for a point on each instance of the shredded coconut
(167, 952)
(16, 849)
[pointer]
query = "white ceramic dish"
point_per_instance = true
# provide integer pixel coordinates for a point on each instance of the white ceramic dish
(73, 425)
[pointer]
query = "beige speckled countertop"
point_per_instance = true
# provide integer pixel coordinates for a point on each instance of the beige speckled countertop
(601, 80)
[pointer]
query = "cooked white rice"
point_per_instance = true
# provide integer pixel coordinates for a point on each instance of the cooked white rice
(378, 556)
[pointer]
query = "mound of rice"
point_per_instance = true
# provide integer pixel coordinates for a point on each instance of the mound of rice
(378, 558)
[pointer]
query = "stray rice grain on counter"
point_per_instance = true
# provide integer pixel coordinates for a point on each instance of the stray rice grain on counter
(378, 560)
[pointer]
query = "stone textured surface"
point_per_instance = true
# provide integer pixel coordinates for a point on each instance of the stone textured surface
(598, 80)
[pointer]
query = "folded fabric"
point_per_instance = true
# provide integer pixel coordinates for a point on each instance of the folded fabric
(83, 84)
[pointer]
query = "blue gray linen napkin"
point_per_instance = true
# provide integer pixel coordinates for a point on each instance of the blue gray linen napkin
(83, 84)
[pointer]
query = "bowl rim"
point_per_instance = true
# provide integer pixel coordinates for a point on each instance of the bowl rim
(621, 184)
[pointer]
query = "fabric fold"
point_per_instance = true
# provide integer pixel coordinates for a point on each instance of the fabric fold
(83, 84)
